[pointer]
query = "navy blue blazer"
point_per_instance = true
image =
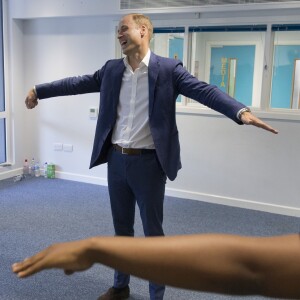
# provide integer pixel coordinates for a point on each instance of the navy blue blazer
(167, 79)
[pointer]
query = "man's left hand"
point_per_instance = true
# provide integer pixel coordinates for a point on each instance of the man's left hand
(249, 119)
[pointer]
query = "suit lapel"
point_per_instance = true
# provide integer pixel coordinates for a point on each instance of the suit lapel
(153, 70)
(117, 82)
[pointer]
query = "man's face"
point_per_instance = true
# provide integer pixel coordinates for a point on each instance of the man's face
(130, 35)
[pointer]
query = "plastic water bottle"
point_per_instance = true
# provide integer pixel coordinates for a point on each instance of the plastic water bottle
(37, 171)
(25, 168)
(45, 170)
(32, 167)
(51, 170)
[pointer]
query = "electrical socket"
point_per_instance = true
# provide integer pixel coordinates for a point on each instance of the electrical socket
(58, 146)
(68, 147)
(93, 113)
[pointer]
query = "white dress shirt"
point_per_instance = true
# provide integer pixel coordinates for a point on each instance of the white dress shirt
(132, 128)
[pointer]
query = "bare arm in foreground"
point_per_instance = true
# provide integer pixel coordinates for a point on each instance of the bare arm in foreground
(214, 263)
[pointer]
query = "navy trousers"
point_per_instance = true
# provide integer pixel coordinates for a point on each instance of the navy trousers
(136, 179)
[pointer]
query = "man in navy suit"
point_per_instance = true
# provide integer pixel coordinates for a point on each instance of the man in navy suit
(136, 132)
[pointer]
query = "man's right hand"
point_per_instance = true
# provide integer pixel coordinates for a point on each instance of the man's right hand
(31, 100)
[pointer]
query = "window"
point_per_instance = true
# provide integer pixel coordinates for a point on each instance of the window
(168, 42)
(230, 57)
(2, 141)
(3, 152)
(257, 64)
(285, 90)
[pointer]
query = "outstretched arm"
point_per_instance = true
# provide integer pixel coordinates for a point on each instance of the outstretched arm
(64, 87)
(213, 263)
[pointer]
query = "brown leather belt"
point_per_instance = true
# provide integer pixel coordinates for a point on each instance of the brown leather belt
(132, 151)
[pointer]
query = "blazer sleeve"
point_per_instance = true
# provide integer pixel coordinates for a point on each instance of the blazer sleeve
(206, 94)
(70, 86)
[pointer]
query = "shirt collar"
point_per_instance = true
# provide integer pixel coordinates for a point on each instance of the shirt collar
(144, 62)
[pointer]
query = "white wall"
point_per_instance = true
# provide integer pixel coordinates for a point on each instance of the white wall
(239, 165)
(222, 162)
(57, 48)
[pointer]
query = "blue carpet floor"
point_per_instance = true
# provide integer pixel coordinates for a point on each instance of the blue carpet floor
(36, 212)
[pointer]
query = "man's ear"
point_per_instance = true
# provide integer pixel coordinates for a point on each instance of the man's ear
(143, 30)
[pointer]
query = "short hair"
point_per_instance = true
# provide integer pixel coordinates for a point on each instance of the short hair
(141, 19)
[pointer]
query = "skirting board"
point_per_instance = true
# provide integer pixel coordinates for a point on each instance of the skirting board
(235, 202)
(178, 193)
(215, 199)
(9, 173)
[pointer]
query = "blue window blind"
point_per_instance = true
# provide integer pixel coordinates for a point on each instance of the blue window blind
(239, 28)
(168, 30)
(286, 27)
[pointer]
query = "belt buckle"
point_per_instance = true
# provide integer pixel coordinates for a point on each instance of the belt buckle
(124, 151)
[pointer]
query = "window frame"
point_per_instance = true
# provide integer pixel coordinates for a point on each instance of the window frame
(6, 114)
